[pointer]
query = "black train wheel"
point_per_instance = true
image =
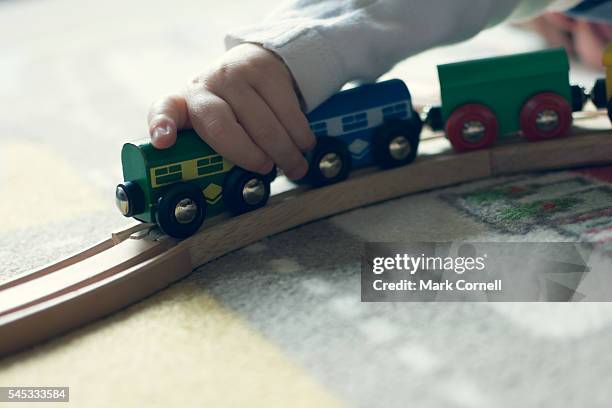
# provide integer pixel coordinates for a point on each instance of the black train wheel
(598, 94)
(396, 143)
(579, 97)
(245, 191)
(181, 210)
(329, 162)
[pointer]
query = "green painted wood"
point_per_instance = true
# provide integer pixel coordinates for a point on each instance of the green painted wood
(504, 83)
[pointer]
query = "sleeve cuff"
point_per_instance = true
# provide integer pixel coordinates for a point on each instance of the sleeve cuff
(312, 62)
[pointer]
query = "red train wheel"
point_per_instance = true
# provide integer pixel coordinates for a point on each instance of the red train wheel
(545, 116)
(472, 126)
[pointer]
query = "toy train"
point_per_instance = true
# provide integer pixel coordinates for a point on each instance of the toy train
(489, 99)
(482, 101)
(179, 187)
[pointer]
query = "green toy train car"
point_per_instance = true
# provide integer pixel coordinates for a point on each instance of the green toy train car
(488, 99)
(178, 187)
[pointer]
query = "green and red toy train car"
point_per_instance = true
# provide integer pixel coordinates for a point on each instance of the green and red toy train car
(489, 99)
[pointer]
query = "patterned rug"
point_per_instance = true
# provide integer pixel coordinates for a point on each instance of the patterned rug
(575, 205)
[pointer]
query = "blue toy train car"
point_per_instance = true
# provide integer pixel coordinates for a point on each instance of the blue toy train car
(370, 124)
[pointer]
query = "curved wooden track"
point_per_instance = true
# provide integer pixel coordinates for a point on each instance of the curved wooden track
(137, 262)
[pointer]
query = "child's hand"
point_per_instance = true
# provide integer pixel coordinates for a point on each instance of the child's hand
(245, 108)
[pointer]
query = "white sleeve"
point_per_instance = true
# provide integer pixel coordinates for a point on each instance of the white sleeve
(326, 43)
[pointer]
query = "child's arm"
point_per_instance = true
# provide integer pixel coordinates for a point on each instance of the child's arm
(325, 44)
(247, 107)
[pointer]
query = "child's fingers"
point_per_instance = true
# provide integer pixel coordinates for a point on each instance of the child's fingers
(166, 117)
(284, 103)
(265, 129)
(560, 21)
(213, 119)
(554, 35)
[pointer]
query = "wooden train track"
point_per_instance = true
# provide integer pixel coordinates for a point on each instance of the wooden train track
(137, 262)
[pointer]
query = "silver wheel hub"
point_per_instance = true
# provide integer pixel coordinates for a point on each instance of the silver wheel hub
(399, 147)
(253, 191)
(330, 165)
(473, 131)
(186, 211)
(547, 120)
(122, 201)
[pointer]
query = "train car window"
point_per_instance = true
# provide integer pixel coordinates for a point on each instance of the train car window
(319, 128)
(168, 174)
(353, 122)
(397, 111)
(208, 165)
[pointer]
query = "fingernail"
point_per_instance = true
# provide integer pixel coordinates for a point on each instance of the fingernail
(298, 172)
(267, 167)
(160, 132)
